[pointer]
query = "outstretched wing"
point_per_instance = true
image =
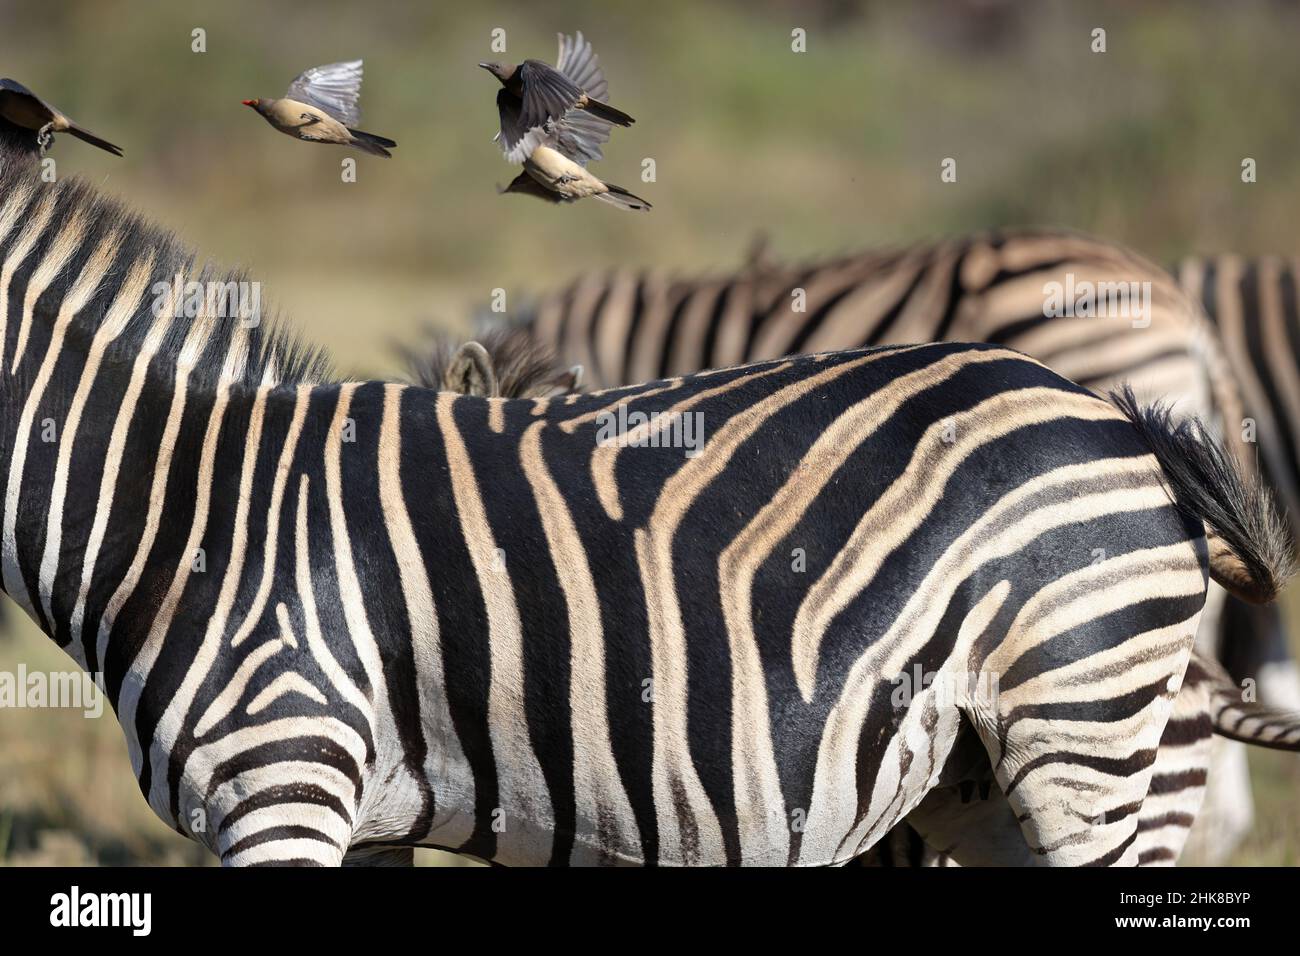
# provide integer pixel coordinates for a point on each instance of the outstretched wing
(517, 140)
(545, 114)
(547, 93)
(579, 134)
(333, 88)
(580, 64)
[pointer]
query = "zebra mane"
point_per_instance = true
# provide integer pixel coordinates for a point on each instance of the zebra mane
(275, 355)
(522, 367)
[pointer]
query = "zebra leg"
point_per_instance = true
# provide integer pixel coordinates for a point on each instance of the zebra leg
(1072, 743)
(1178, 777)
(284, 820)
(970, 823)
(1228, 811)
(974, 825)
(279, 842)
(1251, 642)
(380, 856)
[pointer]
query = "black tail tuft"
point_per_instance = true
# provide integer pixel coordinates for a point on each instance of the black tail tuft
(1206, 483)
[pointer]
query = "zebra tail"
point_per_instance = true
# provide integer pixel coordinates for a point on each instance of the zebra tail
(1251, 554)
(1237, 719)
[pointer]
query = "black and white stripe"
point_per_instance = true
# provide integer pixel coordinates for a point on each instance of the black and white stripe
(431, 619)
(991, 288)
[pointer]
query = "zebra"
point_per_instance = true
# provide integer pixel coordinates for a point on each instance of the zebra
(988, 287)
(424, 618)
(985, 833)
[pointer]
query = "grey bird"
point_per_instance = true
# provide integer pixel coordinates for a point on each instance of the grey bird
(22, 108)
(553, 121)
(321, 107)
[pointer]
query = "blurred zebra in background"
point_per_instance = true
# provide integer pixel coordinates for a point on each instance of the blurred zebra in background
(1253, 304)
(630, 327)
(1094, 312)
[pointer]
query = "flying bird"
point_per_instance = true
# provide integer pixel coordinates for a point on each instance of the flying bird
(321, 107)
(24, 109)
(553, 121)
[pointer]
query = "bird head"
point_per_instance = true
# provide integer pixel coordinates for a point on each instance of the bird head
(255, 104)
(502, 71)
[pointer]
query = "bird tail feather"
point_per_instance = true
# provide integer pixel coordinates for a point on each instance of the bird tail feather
(371, 143)
(620, 197)
(608, 113)
(89, 137)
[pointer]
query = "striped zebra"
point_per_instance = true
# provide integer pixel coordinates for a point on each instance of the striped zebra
(990, 287)
(969, 820)
(629, 327)
(430, 619)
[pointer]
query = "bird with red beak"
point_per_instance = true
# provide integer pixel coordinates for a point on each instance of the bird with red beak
(321, 107)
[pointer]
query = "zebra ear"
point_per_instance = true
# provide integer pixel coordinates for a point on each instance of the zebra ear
(470, 372)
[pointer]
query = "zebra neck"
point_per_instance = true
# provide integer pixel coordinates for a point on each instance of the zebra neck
(111, 384)
(106, 463)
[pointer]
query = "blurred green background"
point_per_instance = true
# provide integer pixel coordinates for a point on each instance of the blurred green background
(829, 150)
